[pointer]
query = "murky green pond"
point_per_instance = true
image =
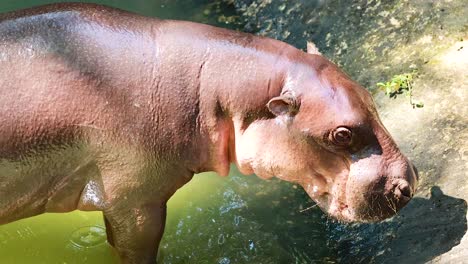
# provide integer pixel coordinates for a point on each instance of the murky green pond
(238, 219)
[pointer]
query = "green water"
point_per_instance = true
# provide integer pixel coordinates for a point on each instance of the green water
(197, 10)
(238, 219)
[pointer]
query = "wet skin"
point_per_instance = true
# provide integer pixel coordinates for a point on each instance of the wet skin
(105, 110)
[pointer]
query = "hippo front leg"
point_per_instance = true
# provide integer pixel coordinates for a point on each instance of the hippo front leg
(135, 232)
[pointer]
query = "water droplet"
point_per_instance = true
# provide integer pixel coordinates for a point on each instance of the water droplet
(224, 261)
(237, 219)
(209, 243)
(251, 245)
(180, 226)
(221, 239)
(88, 236)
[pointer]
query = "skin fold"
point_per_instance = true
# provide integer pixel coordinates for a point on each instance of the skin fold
(101, 109)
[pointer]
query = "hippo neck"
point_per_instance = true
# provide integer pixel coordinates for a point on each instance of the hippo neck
(235, 88)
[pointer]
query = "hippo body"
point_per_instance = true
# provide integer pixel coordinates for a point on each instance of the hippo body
(101, 109)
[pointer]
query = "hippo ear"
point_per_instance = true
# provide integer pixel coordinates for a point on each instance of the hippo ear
(312, 49)
(283, 104)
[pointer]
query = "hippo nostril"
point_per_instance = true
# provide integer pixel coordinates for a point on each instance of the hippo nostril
(403, 190)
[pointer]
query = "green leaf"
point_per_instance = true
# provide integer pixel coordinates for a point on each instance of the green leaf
(419, 104)
(388, 90)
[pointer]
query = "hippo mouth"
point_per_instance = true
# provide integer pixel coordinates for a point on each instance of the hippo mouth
(339, 211)
(342, 212)
(378, 206)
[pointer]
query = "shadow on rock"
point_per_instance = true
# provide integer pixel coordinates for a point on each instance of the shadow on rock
(423, 230)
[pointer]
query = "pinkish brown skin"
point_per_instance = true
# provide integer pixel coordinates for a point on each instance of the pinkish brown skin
(101, 109)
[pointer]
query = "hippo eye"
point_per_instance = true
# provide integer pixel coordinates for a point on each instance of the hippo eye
(341, 136)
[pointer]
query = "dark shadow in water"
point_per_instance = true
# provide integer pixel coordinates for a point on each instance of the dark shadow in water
(423, 230)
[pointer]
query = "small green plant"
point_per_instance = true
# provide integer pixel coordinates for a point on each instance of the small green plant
(401, 84)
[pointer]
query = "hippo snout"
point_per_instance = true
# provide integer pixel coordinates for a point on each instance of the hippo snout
(379, 205)
(376, 191)
(395, 196)
(402, 190)
(382, 205)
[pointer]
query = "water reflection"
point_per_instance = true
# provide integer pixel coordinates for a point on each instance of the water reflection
(76, 237)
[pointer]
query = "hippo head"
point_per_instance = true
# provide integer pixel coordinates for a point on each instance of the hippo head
(325, 135)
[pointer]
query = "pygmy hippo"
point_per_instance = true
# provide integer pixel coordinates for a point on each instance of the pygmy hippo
(101, 109)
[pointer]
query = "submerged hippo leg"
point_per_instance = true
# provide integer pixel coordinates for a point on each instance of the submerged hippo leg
(136, 232)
